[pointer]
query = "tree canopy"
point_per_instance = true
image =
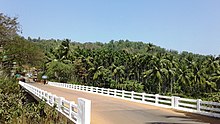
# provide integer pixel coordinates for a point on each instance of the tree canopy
(16, 49)
(135, 66)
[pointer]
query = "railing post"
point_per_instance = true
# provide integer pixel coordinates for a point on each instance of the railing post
(102, 90)
(52, 100)
(115, 92)
(60, 103)
(91, 89)
(176, 102)
(84, 110)
(37, 93)
(132, 95)
(108, 92)
(156, 98)
(41, 94)
(82, 88)
(143, 97)
(198, 106)
(172, 101)
(123, 94)
(45, 95)
(70, 109)
(34, 91)
(48, 97)
(97, 90)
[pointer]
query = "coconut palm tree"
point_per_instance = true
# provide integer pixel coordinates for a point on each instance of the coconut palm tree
(157, 72)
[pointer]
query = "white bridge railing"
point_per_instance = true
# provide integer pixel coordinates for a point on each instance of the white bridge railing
(189, 105)
(78, 113)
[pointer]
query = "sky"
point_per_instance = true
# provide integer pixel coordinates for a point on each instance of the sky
(182, 25)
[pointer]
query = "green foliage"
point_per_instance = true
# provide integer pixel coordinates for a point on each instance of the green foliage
(8, 28)
(59, 71)
(39, 75)
(130, 85)
(10, 101)
(139, 67)
(73, 82)
(15, 49)
(13, 109)
(211, 97)
(23, 52)
(42, 113)
(58, 64)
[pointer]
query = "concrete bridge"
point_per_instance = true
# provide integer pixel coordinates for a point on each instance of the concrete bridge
(110, 110)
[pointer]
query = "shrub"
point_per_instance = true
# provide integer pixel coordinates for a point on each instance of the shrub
(13, 109)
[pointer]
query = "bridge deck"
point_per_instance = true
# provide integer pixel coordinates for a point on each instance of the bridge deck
(107, 110)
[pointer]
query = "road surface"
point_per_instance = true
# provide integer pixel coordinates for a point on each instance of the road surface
(108, 110)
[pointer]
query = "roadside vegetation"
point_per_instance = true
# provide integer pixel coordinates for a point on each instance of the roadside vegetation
(15, 54)
(16, 109)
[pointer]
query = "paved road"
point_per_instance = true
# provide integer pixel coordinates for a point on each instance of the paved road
(108, 110)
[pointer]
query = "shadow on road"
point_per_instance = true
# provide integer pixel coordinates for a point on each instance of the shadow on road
(189, 117)
(172, 123)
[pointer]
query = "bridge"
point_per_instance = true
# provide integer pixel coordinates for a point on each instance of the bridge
(111, 106)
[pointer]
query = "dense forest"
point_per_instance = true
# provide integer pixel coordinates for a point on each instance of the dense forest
(137, 66)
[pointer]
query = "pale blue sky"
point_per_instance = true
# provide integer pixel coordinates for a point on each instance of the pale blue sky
(183, 25)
